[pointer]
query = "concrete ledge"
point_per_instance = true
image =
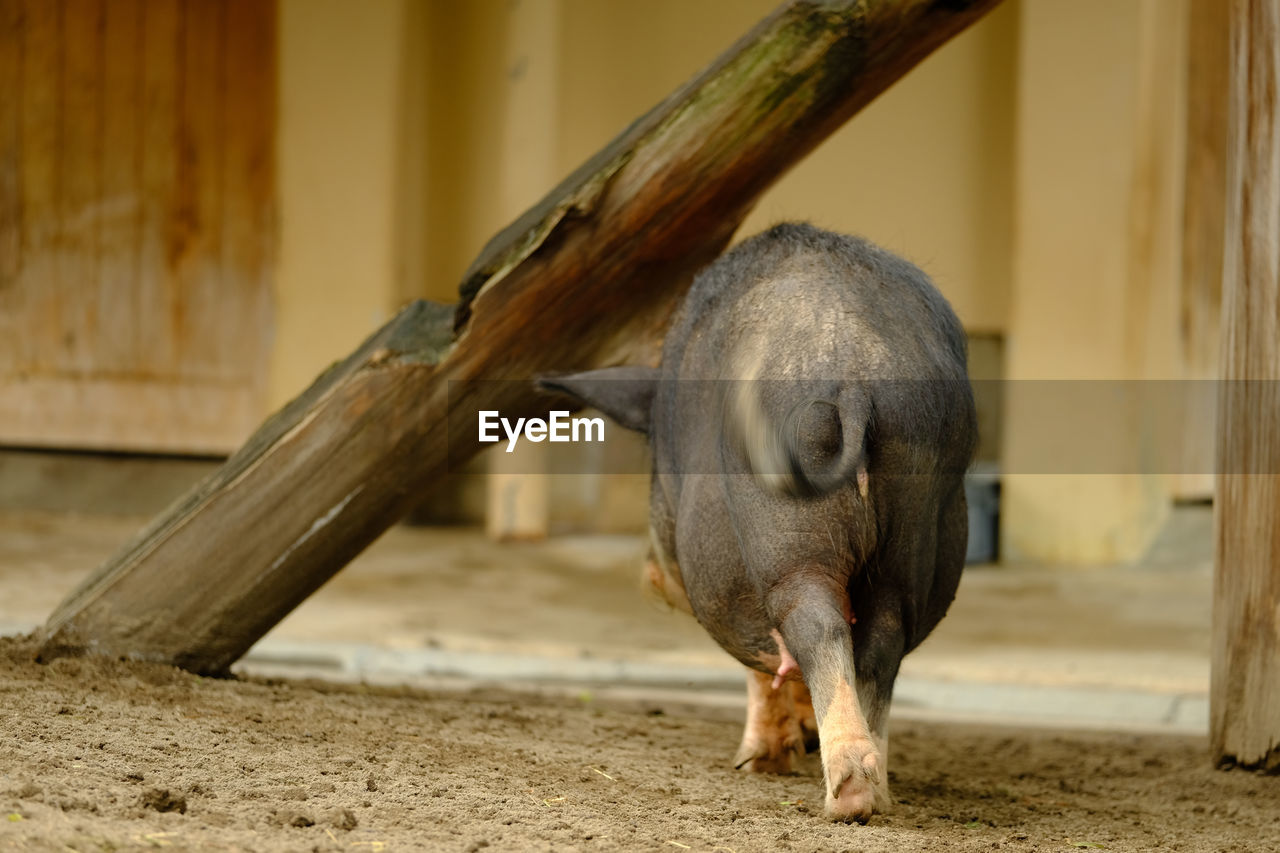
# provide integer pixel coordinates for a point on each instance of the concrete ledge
(722, 687)
(914, 697)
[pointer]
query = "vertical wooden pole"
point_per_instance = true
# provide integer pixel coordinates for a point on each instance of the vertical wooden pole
(1245, 682)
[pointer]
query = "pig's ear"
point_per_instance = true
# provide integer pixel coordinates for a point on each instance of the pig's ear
(623, 393)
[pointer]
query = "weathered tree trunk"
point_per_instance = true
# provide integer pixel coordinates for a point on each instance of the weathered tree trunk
(1245, 682)
(587, 277)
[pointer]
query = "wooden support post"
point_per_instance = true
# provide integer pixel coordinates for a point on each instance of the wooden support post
(1245, 682)
(587, 277)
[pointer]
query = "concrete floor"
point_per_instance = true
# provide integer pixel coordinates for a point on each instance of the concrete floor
(1120, 647)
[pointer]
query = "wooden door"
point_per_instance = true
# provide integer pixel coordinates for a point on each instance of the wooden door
(137, 232)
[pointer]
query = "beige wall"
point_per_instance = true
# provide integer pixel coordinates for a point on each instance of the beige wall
(393, 121)
(397, 133)
(925, 170)
(338, 132)
(1098, 207)
(410, 134)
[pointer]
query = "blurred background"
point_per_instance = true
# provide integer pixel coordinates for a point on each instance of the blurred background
(204, 203)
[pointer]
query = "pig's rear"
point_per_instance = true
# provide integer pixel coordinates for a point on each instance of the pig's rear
(831, 541)
(826, 338)
(810, 426)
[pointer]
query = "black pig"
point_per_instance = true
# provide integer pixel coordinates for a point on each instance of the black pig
(810, 427)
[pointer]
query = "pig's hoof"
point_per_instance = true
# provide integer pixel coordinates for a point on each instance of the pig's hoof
(857, 786)
(773, 753)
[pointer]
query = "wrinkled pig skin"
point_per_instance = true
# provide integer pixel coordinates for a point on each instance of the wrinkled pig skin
(810, 425)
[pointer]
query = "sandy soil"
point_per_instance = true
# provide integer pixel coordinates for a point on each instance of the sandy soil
(103, 755)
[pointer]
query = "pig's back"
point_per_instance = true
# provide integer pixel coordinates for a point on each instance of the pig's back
(814, 315)
(797, 302)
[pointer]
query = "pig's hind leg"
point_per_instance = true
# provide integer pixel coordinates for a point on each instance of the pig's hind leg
(811, 613)
(780, 724)
(900, 600)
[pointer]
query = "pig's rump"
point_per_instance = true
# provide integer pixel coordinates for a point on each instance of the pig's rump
(810, 425)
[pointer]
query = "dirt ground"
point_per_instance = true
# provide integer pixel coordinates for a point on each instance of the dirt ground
(108, 756)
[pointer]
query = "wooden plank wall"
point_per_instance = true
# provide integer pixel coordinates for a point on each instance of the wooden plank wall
(137, 232)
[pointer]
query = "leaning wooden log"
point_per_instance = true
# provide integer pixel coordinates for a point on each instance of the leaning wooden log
(1244, 689)
(588, 277)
